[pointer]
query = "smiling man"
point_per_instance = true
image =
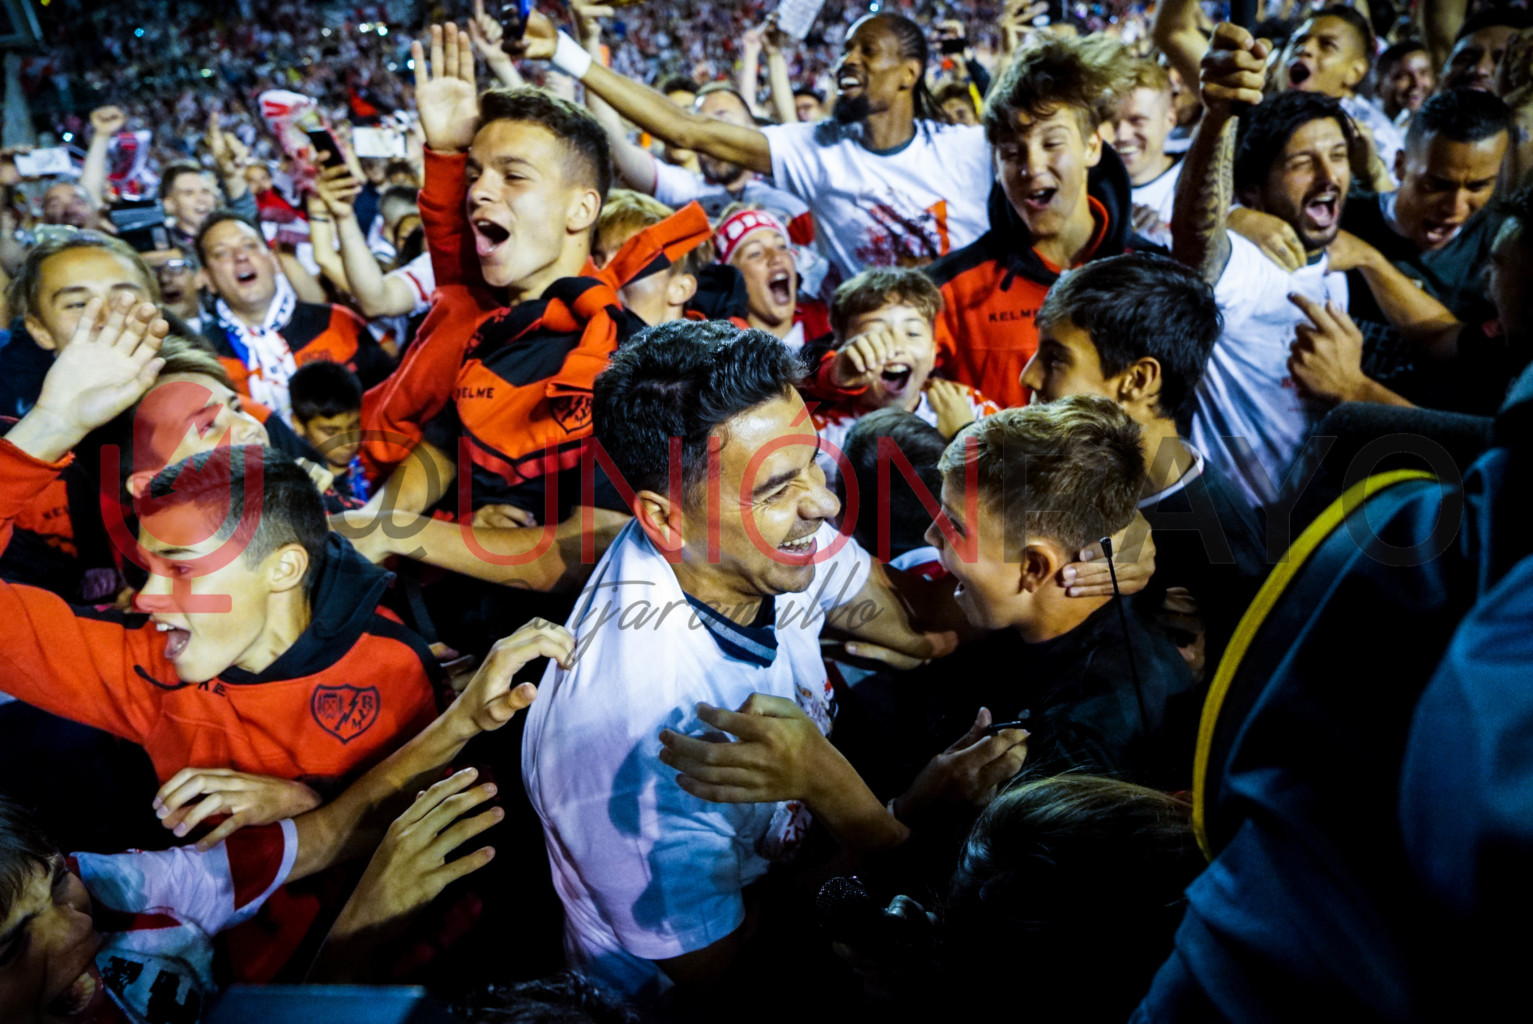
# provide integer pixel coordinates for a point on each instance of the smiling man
(1063, 198)
(1405, 79)
(261, 330)
(888, 180)
(262, 651)
(719, 593)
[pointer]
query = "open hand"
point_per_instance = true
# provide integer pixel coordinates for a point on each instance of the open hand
(410, 867)
(774, 758)
(489, 701)
(192, 795)
(109, 363)
(863, 358)
(1133, 559)
(445, 93)
(968, 772)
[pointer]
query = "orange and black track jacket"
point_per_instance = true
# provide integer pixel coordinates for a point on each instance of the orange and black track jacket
(513, 384)
(353, 687)
(992, 288)
(318, 332)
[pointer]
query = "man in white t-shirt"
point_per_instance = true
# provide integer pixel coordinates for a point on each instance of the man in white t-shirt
(887, 181)
(712, 599)
(1146, 116)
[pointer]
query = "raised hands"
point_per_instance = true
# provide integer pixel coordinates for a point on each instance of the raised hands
(951, 404)
(445, 93)
(107, 121)
(192, 795)
(488, 37)
(337, 188)
(410, 867)
(489, 701)
(110, 361)
(228, 151)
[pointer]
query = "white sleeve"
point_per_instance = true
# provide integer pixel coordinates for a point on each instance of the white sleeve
(213, 890)
(675, 186)
(1249, 282)
(796, 166)
(421, 279)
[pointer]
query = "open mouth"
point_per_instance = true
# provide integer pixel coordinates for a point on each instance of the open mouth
(1437, 234)
(895, 377)
(781, 286)
(799, 549)
(1322, 211)
(245, 276)
(1298, 73)
(489, 236)
(1040, 199)
(176, 639)
(82, 998)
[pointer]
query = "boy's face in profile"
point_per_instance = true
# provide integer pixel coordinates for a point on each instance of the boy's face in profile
(48, 945)
(338, 438)
(911, 358)
(1066, 363)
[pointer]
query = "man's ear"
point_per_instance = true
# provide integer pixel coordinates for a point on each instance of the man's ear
(1140, 384)
(40, 334)
(680, 289)
(286, 567)
(1094, 147)
(1356, 72)
(659, 519)
(1039, 565)
(583, 211)
(912, 74)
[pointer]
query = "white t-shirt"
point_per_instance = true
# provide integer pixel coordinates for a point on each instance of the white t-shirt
(158, 912)
(1160, 196)
(421, 279)
(1246, 396)
(916, 203)
(645, 871)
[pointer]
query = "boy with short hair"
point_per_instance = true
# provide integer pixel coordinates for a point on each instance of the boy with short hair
(1139, 330)
(1146, 115)
(1049, 480)
(327, 413)
(661, 291)
(884, 321)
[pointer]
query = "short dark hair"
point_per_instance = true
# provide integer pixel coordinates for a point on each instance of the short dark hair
(713, 87)
(877, 287)
(677, 83)
(1139, 305)
(585, 142)
(398, 195)
(683, 379)
(171, 172)
(1054, 865)
(1088, 74)
(292, 511)
(1494, 16)
(1460, 115)
(810, 91)
(1358, 23)
(1396, 53)
(1070, 470)
(568, 997)
(1263, 133)
(222, 215)
(323, 388)
(922, 445)
(1519, 207)
(24, 847)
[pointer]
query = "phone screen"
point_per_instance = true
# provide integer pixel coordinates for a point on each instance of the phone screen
(327, 151)
(513, 17)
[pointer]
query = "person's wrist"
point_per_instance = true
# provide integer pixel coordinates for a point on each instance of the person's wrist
(570, 57)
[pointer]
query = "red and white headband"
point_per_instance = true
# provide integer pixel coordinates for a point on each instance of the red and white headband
(733, 230)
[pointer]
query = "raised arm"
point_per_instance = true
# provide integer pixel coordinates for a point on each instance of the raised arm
(1439, 22)
(1233, 72)
(376, 293)
(1175, 33)
(230, 154)
(487, 35)
(105, 122)
(646, 107)
(634, 164)
(777, 73)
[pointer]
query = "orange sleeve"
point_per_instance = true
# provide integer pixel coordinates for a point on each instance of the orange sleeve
(448, 238)
(60, 659)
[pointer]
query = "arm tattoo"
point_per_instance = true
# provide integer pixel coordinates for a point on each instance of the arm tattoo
(1203, 195)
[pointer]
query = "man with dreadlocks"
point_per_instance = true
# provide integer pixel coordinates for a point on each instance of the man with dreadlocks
(889, 182)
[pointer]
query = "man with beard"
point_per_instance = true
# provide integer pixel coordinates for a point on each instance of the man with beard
(888, 182)
(1294, 157)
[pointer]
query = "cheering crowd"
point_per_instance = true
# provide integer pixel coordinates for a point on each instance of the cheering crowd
(627, 514)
